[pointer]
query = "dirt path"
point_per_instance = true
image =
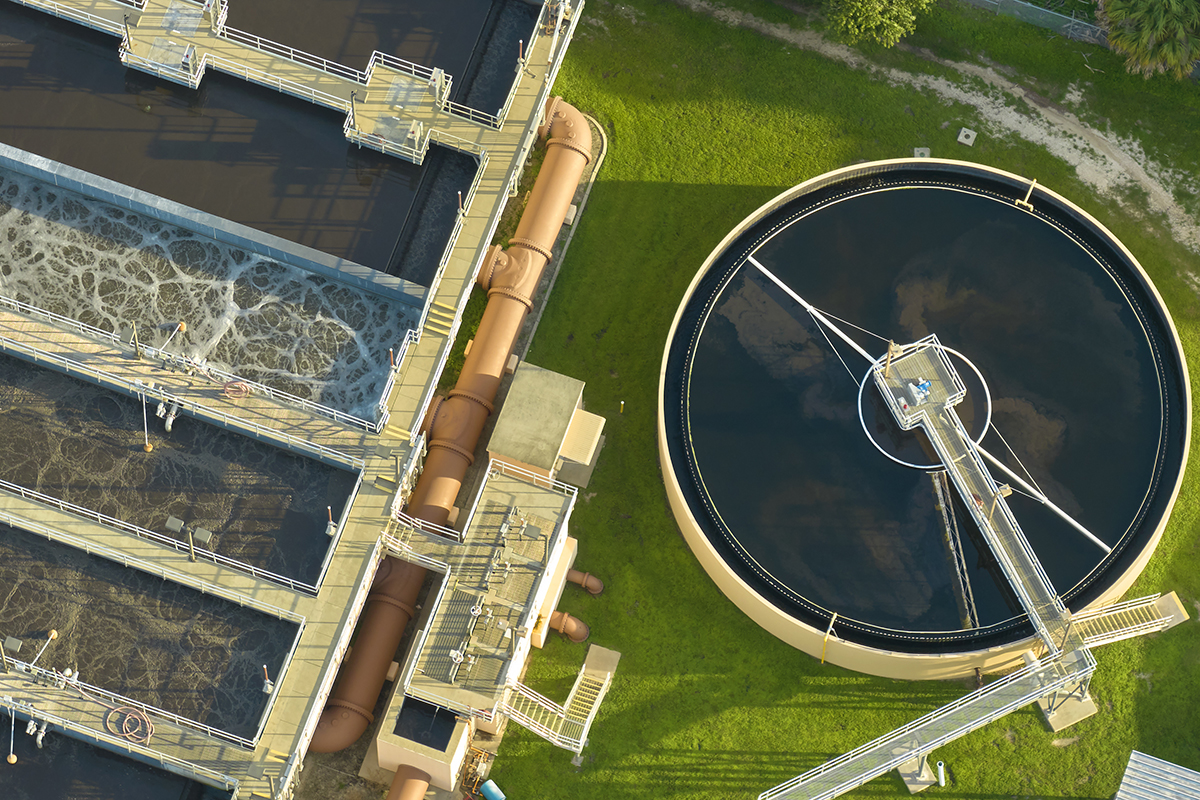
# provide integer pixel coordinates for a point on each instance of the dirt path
(1108, 164)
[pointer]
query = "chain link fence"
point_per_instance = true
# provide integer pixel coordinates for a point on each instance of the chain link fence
(1071, 28)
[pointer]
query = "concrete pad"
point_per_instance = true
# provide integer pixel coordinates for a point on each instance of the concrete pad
(917, 774)
(1066, 713)
(1169, 605)
(966, 136)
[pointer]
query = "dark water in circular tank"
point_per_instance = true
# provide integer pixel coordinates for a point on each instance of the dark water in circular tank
(763, 413)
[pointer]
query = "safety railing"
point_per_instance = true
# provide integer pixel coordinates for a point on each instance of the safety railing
(106, 740)
(136, 387)
(418, 646)
(116, 556)
(75, 15)
(409, 152)
(158, 538)
(399, 65)
(48, 677)
(343, 518)
(354, 611)
(504, 468)
(473, 115)
(432, 528)
(296, 56)
(279, 678)
(516, 709)
(398, 359)
(220, 377)
(175, 74)
(451, 243)
(530, 44)
(277, 82)
(190, 365)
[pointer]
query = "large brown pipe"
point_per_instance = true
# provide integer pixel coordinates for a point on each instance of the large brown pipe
(573, 628)
(410, 783)
(587, 580)
(389, 607)
(511, 278)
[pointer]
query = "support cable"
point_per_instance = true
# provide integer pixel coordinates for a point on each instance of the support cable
(821, 328)
(856, 327)
(1018, 458)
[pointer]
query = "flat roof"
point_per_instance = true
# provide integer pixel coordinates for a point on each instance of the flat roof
(536, 415)
(492, 589)
(232, 149)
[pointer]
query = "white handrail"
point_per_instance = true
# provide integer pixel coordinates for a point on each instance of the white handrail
(75, 15)
(292, 54)
(178, 765)
(144, 533)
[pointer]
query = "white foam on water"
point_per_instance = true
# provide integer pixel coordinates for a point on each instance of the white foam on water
(289, 329)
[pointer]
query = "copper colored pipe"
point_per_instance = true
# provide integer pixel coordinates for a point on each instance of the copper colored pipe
(410, 783)
(573, 628)
(389, 607)
(511, 278)
(587, 580)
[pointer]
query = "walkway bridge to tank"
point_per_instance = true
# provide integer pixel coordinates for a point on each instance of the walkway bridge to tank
(921, 387)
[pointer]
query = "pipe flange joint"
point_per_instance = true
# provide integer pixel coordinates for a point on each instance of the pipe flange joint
(453, 448)
(514, 294)
(530, 244)
(571, 144)
(391, 601)
(354, 708)
(474, 398)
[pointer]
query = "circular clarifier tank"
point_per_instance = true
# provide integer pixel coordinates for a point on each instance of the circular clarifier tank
(798, 491)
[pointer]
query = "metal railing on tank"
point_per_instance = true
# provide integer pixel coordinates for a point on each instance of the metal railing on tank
(75, 15)
(109, 741)
(154, 536)
(398, 359)
(296, 56)
(48, 677)
(103, 378)
(185, 364)
(293, 765)
(399, 65)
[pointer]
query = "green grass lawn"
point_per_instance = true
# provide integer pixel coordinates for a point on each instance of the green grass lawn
(705, 123)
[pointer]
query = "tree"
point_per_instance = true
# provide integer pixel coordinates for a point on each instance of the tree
(885, 21)
(1154, 35)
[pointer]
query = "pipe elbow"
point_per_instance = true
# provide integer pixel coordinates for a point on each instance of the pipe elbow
(587, 580)
(573, 628)
(565, 126)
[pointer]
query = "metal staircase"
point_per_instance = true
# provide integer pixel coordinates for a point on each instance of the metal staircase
(1121, 621)
(565, 726)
